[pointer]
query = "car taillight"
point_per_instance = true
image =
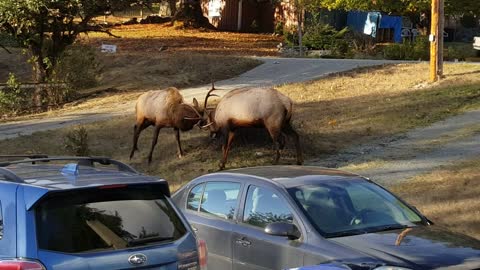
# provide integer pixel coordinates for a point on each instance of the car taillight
(20, 265)
(202, 254)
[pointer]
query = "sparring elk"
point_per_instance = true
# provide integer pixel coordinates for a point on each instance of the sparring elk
(253, 107)
(164, 109)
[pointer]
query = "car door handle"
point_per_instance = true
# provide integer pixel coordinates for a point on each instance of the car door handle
(244, 242)
(194, 229)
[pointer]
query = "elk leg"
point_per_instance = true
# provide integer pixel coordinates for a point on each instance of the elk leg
(275, 134)
(226, 148)
(288, 129)
(282, 141)
(154, 142)
(179, 146)
(137, 129)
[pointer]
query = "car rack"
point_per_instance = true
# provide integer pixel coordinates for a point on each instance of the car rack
(81, 161)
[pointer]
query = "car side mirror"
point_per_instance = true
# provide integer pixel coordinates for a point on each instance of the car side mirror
(283, 229)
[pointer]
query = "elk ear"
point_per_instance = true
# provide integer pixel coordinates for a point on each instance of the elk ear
(195, 102)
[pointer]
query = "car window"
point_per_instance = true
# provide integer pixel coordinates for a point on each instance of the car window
(1, 222)
(194, 197)
(106, 219)
(339, 208)
(263, 206)
(363, 199)
(220, 199)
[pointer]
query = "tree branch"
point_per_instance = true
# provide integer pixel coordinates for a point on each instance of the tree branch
(5, 48)
(99, 29)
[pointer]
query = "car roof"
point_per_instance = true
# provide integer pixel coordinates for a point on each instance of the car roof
(289, 176)
(65, 176)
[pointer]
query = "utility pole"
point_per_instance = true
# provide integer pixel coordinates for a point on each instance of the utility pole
(436, 40)
(441, 30)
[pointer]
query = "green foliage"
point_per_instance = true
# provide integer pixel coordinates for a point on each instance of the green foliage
(76, 142)
(459, 51)
(78, 67)
(7, 40)
(323, 37)
(402, 7)
(13, 98)
(48, 27)
(418, 50)
(469, 21)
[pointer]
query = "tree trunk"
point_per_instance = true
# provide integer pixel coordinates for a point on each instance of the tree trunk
(173, 7)
(40, 77)
(300, 33)
(192, 15)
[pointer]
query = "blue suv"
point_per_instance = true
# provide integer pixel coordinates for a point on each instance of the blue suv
(90, 213)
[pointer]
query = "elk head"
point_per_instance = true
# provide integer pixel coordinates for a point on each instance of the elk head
(192, 113)
(209, 114)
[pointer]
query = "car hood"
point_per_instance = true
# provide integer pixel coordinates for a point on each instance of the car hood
(422, 247)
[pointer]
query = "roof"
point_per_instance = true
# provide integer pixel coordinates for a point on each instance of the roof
(71, 172)
(292, 176)
(282, 172)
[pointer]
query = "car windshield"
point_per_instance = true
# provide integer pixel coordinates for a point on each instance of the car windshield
(341, 208)
(103, 219)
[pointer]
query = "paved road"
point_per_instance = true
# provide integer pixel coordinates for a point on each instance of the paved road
(274, 71)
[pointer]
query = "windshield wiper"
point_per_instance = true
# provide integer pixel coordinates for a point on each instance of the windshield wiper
(141, 241)
(346, 233)
(390, 227)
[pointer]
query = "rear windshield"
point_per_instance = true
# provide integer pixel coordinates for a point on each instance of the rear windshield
(106, 219)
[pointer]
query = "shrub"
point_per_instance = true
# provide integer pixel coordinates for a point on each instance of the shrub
(76, 142)
(325, 37)
(7, 40)
(78, 67)
(459, 51)
(14, 99)
(361, 44)
(418, 50)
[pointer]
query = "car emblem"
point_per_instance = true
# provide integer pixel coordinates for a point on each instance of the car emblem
(137, 259)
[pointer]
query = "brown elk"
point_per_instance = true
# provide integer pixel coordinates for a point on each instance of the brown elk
(164, 108)
(253, 107)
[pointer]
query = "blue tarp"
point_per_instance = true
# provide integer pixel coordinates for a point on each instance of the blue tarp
(358, 21)
(394, 22)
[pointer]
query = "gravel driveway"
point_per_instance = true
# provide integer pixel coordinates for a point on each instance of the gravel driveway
(419, 151)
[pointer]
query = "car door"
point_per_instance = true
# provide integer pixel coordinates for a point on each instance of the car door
(252, 247)
(8, 220)
(210, 209)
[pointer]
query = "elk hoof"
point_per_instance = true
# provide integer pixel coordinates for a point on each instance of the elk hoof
(180, 155)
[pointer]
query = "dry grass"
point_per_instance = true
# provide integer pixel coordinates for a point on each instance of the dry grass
(362, 105)
(331, 114)
(448, 196)
(153, 38)
(14, 63)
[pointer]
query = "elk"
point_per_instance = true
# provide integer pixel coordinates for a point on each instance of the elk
(249, 108)
(162, 109)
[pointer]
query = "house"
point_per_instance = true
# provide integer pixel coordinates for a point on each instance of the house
(240, 15)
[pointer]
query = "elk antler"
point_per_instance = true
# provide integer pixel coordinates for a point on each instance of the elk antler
(209, 94)
(196, 112)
